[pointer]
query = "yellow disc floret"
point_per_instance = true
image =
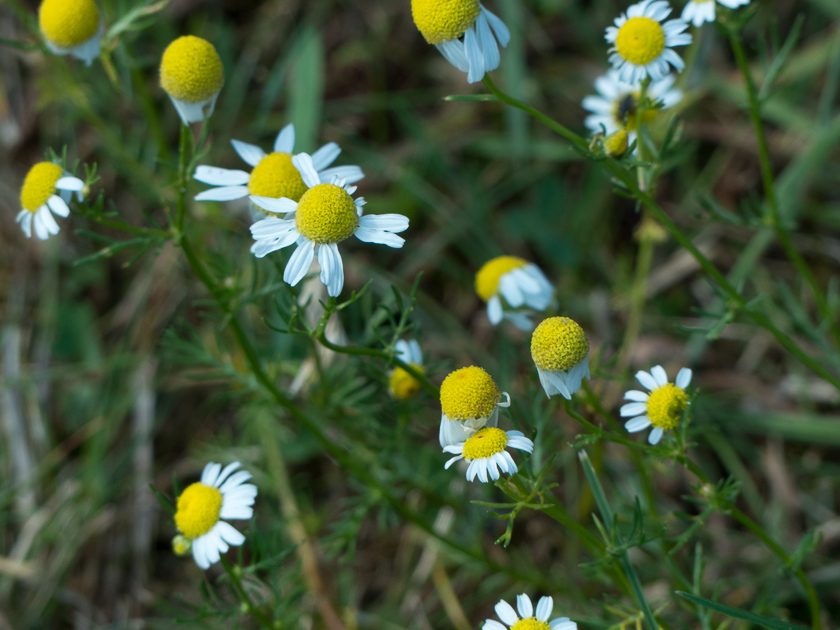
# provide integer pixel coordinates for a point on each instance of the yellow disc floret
(531, 623)
(191, 70)
(403, 385)
(640, 40)
(486, 442)
(68, 23)
(326, 214)
(665, 406)
(275, 176)
(468, 393)
(487, 278)
(558, 344)
(39, 185)
(198, 510)
(443, 20)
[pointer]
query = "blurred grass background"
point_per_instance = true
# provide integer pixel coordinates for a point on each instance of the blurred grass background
(118, 373)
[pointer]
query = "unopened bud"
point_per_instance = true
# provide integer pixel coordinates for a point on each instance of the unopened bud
(615, 144)
(181, 545)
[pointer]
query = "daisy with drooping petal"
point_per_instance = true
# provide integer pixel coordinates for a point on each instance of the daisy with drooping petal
(699, 11)
(464, 32)
(71, 27)
(662, 408)
(512, 282)
(616, 105)
(221, 494)
(485, 452)
(325, 215)
(402, 384)
(191, 73)
(560, 351)
(529, 620)
(47, 188)
(469, 401)
(642, 44)
(273, 174)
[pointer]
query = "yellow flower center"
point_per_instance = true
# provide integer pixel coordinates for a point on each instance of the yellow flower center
(485, 443)
(558, 344)
(39, 185)
(326, 214)
(624, 112)
(443, 20)
(468, 393)
(275, 176)
(68, 23)
(198, 510)
(640, 40)
(531, 623)
(665, 406)
(487, 278)
(191, 70)
(403, 385)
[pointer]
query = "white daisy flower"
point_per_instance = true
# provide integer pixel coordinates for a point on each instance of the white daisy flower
(202, 505)
(469, 401)
(273, 174)
(642, 45)
(325, 215)
(402, 384)
(512, 282)
(71, 27)
(560, 351)
(615, 105)
(47, 188)
(485, 452)
(464, 32)
(662, 408)
(529, 621)
(699, 11)
(191, 73)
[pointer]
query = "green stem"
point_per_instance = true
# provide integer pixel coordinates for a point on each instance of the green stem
(641, 174)
(130, 229)
(774, 218)
(236, 580)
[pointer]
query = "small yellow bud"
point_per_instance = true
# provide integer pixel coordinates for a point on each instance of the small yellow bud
(181, 545)
(615, 144)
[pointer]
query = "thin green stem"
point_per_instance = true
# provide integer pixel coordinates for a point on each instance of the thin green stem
(641, 171)
(236, 580)
(181, 210)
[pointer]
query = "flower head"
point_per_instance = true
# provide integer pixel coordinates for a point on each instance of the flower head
(469, 401)
(662, 408)
(402, 384)
(273, 175)
(642, 43)
(191, 73)
(699, 11)
(529, 620)
(46, 188)
(326, 215)
(512, 282)
(221, 494)
(464, 32)
(71, 27)
(485, 452)
(560, 351)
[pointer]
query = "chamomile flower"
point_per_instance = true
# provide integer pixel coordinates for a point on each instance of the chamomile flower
(464, 32)
(402, 384)
(529, 620)
(469, 401)
(560, 351)
(46, 189)
(642, 44)
(325, 215)
(191, 73)
(662, 408)
(220, 494)
(512, 282)
(615, 106)
(699, 11)
(71, 27)
(485, 452)
(273, 174)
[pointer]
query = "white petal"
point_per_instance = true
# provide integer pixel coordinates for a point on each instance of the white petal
(382, 237)
(299, 263)
(633, 409)
(509, 288)
(506, 613)
(492, 468)
(636, 395)
(401, 351)
(492, 624)
(562, 624)
(210, 474)
(637, 424)
(487, 43)
(236, 479)
(332, 269)
(414, 353)
(544, 608)
(655, 435)
(281, 205)
(474, 56)
(225, 193)
(285, 140)
(451, 432)
(350, 174)
(226, 471)
(41, 230)
(221, 176)
(683, 378)
(58, 205)
(229, 533)
(69, 183)
(452, 461)
(24, 217)
(659, 375)
(453, 51)
(252, 154)
(325, 156)
(494, 310)
(199, 549)
(499, 28)
(646, 380)
(524, 606)
(389, 222)
(303, 163)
